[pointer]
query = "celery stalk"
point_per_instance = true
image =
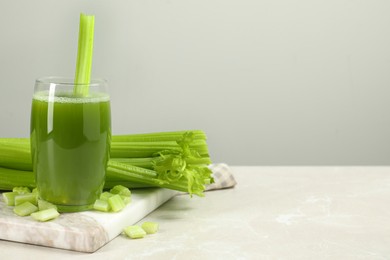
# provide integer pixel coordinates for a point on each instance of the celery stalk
(149, 162)
(140, 162)
(15, 153)
(112, 181)
(124, 149)
(84, 55)
(11, 178)
(159, 136)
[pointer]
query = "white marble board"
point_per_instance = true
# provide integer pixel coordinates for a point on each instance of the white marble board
(85, 231)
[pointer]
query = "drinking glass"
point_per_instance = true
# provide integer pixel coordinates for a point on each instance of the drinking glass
(70, 141)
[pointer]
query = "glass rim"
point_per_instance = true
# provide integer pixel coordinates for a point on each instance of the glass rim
(68, 81)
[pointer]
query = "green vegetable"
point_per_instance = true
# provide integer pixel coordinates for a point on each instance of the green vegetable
(84, 55)
(159, 136)
(45, 215)
(150, 227)
(21, 190)
(102, 205)
(105, 195)
(25, 209)
(43, 204)
(182, 168)
(149, 149)
(134, 232)
(121, 190)
(10, 178)
(27, 203)
(15, 153)
(9, 198)
(173, 160)
(30, 197)
(196, 184)
(116, 203)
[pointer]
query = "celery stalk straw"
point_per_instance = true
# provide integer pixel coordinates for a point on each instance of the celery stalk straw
(84, 55)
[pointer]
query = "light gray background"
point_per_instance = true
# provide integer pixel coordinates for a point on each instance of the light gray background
(275, 82)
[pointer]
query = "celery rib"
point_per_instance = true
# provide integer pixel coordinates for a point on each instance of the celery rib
(15, 153)
(159, 136)
(150, 149)
(11, 178)
(146, 163)
(84, 55)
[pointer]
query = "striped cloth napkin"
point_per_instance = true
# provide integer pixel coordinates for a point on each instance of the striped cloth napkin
(223, 177)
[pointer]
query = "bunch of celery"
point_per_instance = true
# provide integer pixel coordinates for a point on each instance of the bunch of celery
(175, 160)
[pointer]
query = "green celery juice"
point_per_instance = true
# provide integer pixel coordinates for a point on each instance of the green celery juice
(70, 140)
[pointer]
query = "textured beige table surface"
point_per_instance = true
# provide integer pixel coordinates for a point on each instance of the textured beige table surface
(272, 213)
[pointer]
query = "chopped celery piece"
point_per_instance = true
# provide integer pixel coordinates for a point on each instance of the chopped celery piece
(105, 195)
(134, 231)
(45, 215)
(116, 203)
(150, 227)
(21, 190)
(43, 204)
(102, 205)
(9, 198)
(121, 190)
(25, 209)
(30, 197)
(35, 191)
